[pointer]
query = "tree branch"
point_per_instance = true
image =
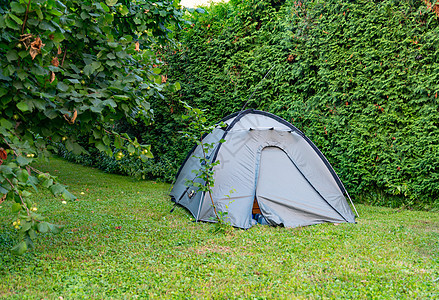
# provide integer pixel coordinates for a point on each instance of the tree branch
(25, 17)
(22, 201)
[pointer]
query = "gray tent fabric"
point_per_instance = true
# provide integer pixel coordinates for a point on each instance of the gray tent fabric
(268, 159)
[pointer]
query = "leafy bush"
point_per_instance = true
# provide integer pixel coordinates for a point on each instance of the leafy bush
(73, 68)
(157, 168)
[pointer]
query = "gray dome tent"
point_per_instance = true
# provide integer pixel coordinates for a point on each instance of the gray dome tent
(267, 162)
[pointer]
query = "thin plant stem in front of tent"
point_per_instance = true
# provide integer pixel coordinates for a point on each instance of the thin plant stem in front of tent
(208, 178)
(197, 129)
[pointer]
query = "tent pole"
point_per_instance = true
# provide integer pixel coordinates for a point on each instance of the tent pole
(172, 185)
(245, 105)
(352, 203)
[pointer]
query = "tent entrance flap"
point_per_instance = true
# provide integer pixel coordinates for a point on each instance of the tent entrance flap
(285, 197)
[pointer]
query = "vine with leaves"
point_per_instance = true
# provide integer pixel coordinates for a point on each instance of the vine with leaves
(198, 128)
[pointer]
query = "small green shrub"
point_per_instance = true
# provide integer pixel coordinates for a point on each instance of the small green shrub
(162, 168)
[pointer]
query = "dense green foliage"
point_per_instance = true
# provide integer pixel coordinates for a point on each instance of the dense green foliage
(360, 78)
(68, 69)
(168, 145)
(121, 242)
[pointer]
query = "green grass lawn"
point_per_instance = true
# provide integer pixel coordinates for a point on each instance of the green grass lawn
(121, 241)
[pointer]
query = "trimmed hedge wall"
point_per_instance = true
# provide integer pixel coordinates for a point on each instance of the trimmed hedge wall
(360, 78)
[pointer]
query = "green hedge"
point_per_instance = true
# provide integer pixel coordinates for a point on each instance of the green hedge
(360, 78)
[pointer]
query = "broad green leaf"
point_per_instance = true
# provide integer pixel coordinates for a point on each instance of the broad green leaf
(17, 8)
(58, 37)
(106, 140)
(23, 106)
(158, 79)
(6, 170)
(53, 68)
(128, 38)
(47, 183)
(84, 15)
(46, 131)
(124, 11)
(22, 74)
(39, 70)
(95, 65)
(16, 19)
(101, 147)
(19, 85)
(110, 102)
(121, 54)
(12, 55)
(47, 26)
(77, 149)
(156, 70)
(55, 12)
(28, 240)
(108, 19)
(68, 196)
(27, 225)
(97, 134)
(105, 7)
(118, 142)
(55, 228)
(88, 70)
(42, 227)
(113, 44)
(149, 154)
(3, 190)
(146, 155)
(16, 207)
(69, 145)
(50, 113)
(22, 175)
(57, 189)
(131, 148)
(62, 86)
(33, 181)
(20, 248)
(32, 234)
(3, 92)
(39, 13)
(11, 24)
(110, 2)
(22, 161)
(5, 123)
